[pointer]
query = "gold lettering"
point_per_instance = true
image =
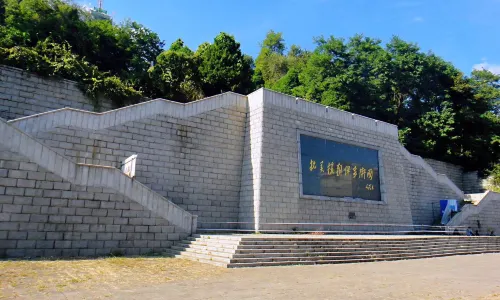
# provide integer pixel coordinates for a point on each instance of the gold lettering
(331, 168)
(312, 165)
(339, 169)
(369, 174)
(370, 187)
(354, 172)
(347, 170)
(362, 173)
(321, 169)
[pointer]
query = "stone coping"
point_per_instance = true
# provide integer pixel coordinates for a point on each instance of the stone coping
(341, 237)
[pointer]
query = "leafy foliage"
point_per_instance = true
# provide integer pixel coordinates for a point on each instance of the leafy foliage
(56, 60)
(441, 113)
(223, 67)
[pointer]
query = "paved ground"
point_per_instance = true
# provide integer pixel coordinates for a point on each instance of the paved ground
(458, 277)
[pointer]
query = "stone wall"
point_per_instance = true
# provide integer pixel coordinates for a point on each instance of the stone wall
(408, 190)
(195, 162)
(485, 216)
(42, 215)
(23, 94)
(424, 194)
(228, 158)
(454, 172)
(472, 183)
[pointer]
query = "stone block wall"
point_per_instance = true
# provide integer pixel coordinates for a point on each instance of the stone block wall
(194, 162)
(454, 172)
(250, 170)
(406, 187)
(23, 94)
(280, 199)
(486, 218)
(472, 183)
(424, 194)
(42, 215)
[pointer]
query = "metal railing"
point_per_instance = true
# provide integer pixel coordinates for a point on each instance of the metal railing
(330, 228)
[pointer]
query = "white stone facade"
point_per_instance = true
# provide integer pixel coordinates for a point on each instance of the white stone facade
(227, 158)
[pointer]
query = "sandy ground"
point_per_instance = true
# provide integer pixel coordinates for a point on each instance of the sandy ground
(457, 277)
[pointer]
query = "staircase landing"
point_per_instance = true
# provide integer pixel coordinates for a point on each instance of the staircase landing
(257, 250)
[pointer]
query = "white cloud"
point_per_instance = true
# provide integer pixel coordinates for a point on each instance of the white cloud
(493, 68)
(418, 19)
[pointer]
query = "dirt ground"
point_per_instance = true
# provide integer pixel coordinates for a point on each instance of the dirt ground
(457, 277)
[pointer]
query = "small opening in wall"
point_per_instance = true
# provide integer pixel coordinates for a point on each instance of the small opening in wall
(352, 215)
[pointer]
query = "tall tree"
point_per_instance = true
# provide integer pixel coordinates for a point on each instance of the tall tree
(175, 75)
(271, 64)
(223, 67)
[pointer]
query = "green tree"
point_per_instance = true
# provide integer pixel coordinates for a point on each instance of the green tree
(271, 64)
(487, 88)
(2, 12)
(175, 74)
(223, 67)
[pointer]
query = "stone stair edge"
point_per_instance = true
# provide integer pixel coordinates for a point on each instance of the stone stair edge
(316, 249)
(305, 262)
(354, 251)
(199, 255)
(354, 254)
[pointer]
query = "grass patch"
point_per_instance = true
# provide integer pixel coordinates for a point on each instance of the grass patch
(26, 277)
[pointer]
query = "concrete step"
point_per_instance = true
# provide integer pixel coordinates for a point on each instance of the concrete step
(238, 251)
(302, 249)
(204, 248)
(357, 246)
(355, 253)
(200, 244)
(212, 239)
(216, 237)
(197, 256)
(355, 256)
(333, 242)
(202, 251)
(198, 259)
(440, 238)
(211, 242)
(291, 261)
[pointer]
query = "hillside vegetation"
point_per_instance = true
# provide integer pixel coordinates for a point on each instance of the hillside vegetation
(441, 112)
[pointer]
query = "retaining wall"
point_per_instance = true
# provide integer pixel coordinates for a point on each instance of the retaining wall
(409, 190)
(43, 215)
(454, 172)
(23, 94)
(228, 158)
(195, 162)
(483, 218)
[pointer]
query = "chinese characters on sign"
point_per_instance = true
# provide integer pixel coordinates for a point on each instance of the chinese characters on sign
(338, 170)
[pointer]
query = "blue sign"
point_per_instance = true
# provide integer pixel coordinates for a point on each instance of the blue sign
(339, 170)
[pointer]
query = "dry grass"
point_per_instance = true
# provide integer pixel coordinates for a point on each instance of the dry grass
(495, 296)
(30, 277)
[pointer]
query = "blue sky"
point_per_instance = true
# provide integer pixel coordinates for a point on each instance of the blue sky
(465, 32)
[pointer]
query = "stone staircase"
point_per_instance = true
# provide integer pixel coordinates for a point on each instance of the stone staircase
(234, 251)
(15, 140)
